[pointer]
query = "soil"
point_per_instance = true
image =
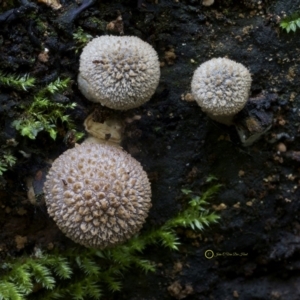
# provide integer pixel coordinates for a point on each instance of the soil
(257, 240)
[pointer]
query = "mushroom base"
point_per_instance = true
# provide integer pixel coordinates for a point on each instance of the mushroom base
(224, 119)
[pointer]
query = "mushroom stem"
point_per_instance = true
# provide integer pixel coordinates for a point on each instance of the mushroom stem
(226, 120)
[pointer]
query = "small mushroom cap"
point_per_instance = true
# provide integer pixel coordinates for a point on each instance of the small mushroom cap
(120, 72)
(98, 195)
(221, 86)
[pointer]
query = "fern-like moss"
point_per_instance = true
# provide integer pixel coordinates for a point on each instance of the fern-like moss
(83, 273)
(16, 81)
(7, 160)
(23, 275)
(81, 38)
(291, 23)
(43, 113)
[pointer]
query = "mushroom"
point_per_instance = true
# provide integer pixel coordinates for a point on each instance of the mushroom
(98, 195)
(120, 72)
(221, 88)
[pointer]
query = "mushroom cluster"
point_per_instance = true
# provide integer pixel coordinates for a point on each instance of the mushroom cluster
(98, 195)
(120, 72)
(221, 88)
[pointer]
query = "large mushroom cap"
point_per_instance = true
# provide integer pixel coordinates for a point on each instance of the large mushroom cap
(98, 195)
(221, 86)
(119, 72)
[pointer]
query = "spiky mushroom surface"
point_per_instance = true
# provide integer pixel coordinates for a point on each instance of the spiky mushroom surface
(98, 195)
(221, 87)
(120, 72)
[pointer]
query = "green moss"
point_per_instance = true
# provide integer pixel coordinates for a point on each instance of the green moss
(291, 23)
(83, 273)
(7, 160)
(81, 38)
(37, 111)
(43, 113)
(17, 81)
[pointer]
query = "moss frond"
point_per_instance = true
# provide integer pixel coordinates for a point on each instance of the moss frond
(59, 265)
(88, 266)
(17, 81)
(7, 160)
(57, 86)
(81, 38)
(9, 290)
(291, 23)
(42, 274)
(43, 113)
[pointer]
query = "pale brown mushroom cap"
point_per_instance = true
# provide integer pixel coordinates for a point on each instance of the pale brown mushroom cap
(221, 86)
(98, 195)
(120, 72)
